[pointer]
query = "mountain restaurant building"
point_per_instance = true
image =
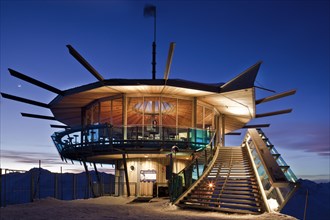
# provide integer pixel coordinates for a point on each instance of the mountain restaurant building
(167, 137)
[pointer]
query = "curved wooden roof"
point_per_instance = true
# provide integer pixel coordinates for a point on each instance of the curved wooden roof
(235, 99)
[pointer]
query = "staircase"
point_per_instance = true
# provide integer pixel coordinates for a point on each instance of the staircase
(229, 186)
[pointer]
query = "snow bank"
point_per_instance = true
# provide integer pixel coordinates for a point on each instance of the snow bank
(115, 208)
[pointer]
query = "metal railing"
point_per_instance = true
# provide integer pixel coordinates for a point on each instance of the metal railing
(19, 186)
(195, 169)
(105, 136)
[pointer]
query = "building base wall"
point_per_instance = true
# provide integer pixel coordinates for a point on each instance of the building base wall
(146, 175)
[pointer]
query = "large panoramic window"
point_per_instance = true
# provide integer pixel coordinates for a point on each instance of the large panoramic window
(185, 113)
(149, 112)
(108, 111)
(134, 115)
(169, 111)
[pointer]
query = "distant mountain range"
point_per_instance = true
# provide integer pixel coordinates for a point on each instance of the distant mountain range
(40, 183)
(318, 201)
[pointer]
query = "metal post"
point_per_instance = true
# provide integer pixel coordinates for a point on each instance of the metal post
(5, 187)
(222, 130)
(197, 168)
(154, 50)
(61, 184)
(74, 196)
(39, 187)
(0, 187)
(206, 162)
(89, 181)
(100, 188)
(171, 175)
(31, 189)
(305, 211)
(154, 59)
(126, 176)
(55, 186)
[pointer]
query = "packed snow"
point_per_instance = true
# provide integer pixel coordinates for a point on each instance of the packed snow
(116, 208)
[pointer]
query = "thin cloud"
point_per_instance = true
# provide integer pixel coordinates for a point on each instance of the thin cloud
(308, 138)
(30, 157)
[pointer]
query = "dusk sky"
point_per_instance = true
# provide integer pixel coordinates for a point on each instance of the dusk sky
(215, 41)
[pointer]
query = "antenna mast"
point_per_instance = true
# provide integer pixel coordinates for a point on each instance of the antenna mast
(150, 11)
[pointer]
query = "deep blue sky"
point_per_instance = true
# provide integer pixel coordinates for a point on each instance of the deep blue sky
(215, 41)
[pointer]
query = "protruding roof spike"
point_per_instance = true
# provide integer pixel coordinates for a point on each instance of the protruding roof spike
(84, 62)
(34, 82)
(277, 96)
(59, 126)
(28, 101)
(169, 60)
(234, 133)
(273, 113)
(257, 126)
(242, 81)
(38, 116)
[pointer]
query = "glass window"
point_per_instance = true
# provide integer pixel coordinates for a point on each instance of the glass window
(134, 111)
(88, 116)
(208, 118)
(185, 110)
(117, 112)
(200, 116)
(151, 107)
(105, 112)
(95, 110)
(168, 108)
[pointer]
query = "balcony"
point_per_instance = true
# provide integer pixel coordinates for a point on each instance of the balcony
(102, 139)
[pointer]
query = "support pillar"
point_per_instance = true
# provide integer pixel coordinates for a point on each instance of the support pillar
(222, 127)
(124, 103)
(126, 176)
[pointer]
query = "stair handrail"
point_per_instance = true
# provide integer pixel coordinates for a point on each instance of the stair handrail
(194, 159)
(206, 172)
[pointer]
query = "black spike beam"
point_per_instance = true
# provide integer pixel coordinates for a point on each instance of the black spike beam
(242, 81)
(274, 97)
(28, 101)
(59, 126)
(257, 126)
(273, 113)
(34, 81)
(38, 116)
(84, 62)
(234, 133)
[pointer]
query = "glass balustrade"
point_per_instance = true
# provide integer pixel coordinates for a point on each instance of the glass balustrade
(105, 135)
(277, 193)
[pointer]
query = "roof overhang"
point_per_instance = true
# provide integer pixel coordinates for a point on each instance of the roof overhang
(237, 105)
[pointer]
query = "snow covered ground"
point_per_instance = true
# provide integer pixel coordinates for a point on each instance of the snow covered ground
(115, 208)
